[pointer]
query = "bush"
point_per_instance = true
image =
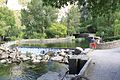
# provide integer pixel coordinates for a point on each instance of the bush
(108, 32)
(36, 35)
(56, 30)
(78, 40)
(111, 38)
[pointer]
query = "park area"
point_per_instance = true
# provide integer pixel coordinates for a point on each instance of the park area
(69, 39)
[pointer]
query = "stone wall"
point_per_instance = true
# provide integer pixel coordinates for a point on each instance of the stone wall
(109, 45)
(44, 41)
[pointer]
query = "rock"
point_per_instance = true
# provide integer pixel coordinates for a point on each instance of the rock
(46, 57)
(50, 53)
(79, 48)
(50, 76)
(39, 58)
(33, 56)
(12, 55)
(62, 53)
(65, 60)
(3, 61)
(24, 57)
(57, 58)
(36, 61)
(9, 61)
(87, 50)
(1, 51)
(78, 51)
(4, 55)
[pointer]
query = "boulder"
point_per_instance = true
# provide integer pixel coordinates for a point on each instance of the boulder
(36, 61)
(12, 55)
(46, 57)
(3, 61)
(39, 58)
(9, 61)
(78, 51)
(62, 53)
(50, 53)
(4, 55)
(33, 56)
(24, 57)
(57, 58)
(79, 48)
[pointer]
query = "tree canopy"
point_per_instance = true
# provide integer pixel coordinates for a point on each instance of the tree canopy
(99, 13)
(57, 30)
(37, 18)
(72, 20)
(7, 21)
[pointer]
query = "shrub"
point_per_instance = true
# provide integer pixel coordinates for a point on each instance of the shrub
(106, 39)
(56, 29)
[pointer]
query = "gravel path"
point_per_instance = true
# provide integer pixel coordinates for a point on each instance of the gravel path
(105, 65)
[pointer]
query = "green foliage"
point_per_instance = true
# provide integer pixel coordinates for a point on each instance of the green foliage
(24, 2)
(117, 28)
(117, 23)
(7, 21)
(78, 40)
(111, 38)
(101, 13)
(15, 33)
(36, 35)
(57, 30)
(37, 18)
(72, 20)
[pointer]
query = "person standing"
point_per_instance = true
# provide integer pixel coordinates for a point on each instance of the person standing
(93, 43)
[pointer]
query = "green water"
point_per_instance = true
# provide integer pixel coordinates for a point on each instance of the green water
(73, 44)
(28, 71)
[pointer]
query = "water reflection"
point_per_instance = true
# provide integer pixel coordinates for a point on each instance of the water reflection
(28, 71)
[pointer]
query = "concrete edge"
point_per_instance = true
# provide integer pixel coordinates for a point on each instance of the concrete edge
(83, 70)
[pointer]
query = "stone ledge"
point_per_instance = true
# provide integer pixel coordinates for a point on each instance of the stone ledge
(44, 41)
(85, 67)
(109, 45)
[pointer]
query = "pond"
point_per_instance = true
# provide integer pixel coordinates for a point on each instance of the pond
(55, 47)
(28, 71)
(82, 43)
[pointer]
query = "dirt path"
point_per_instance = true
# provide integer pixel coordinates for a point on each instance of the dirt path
(105, 65)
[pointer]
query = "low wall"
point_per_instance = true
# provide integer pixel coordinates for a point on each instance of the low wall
(44, 41)
(109, 45)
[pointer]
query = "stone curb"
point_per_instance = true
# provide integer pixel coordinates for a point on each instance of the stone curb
(85, 67)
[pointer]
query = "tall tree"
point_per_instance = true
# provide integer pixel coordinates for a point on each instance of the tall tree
(7, 21)
(94, 8)
(72, 20)
(37, 18)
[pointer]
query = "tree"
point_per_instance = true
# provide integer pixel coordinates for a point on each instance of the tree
(99, 7)
(72, 20)
(117, 24)
(24, 2)
(57, 30)
(7, 21)
(91, 10)
(37, 18)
